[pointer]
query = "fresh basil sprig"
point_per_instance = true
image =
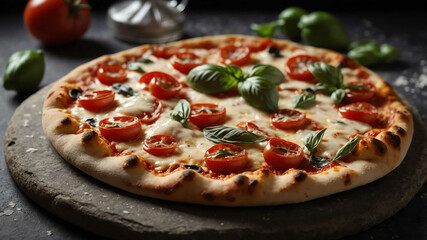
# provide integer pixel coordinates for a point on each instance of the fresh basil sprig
(313, 139)
(224, 134)
(318, 162)
(347, 149)
(123, 89)
(331, 81)
(135, 67)
(257, 86)
(304, 100)
(181, 112)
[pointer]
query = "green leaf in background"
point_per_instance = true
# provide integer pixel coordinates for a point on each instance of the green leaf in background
(224, 134)
(210, 78)
(313, 139)
(265, 30)
(181, 112)
(389, 53)
(288, 22)
(304, 100)
(267, 72)
(337, 96)
(347, 149)
(259, 93)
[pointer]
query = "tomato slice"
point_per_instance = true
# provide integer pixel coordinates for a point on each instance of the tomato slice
(207, 114)
(297, 67)
(185, 61)
(151, 117)
(257, 46)
(161, 85)
(97, 101)
(360, 94)
(288, 119)
(111, 74)
(281, 155)
(160, 145)
(120, 129)
(225, 158)
(162, 52)
(232, 54)
(359, 111)
(253, 128)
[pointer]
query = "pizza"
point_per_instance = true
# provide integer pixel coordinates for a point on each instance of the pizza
(228, 120)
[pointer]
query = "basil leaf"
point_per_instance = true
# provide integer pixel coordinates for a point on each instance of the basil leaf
(135, 67)
(304, 100)
(235, 71)
(326, 73)
(144, 60)
(313, 139)
(224, 134)
(347, 149)
(325, 88)
(364, 43)
(91, 121)
(123, 89)
(223, 153)
(181, 112)
(350, 86)
(337, 96)
(75, 93)
(265, 30)
(267, 72)
(318, 162)
(210, 78)
(259, 93)
(389, 53)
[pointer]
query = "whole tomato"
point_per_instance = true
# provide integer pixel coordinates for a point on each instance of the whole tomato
(56, 22)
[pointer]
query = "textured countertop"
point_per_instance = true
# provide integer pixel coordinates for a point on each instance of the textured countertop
(20, 218)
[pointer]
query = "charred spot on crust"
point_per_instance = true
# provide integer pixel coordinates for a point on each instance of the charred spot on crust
(11, 143)
(87, 136)
(252, 185)
(265, 171)
(347, 179)
(400, 130)
(66, 121)
(188, 175)
(403, 114)
(208, 196)
(50, 95)
(240, 180)
(300, 176)
(130, 161)
(381, 148)
(393, 139)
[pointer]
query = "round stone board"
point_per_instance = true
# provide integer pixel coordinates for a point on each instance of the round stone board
(92, 205)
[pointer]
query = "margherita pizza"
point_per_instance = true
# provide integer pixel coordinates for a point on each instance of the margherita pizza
(228, 120)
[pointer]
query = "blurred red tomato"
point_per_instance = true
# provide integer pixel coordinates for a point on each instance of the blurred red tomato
(56, 22)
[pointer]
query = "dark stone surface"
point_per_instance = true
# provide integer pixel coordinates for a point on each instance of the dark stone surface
(22, 219)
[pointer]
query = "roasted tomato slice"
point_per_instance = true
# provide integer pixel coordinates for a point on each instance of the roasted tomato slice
(160, 145)
(359, 111)
(111, 74)
(232, 54)
(120, 129)
(161, 85)
(225, 158)
(97, 101)
(185, 61)
(207, 114)
(253, 128)
(150, 117)
(363, 94)
(297, 67)
(281, 155)
(257, 46)
(162, 52)
(288, 119)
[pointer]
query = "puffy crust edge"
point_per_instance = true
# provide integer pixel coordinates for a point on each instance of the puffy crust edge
(89, 153)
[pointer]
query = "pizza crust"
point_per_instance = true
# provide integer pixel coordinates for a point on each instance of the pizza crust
(373, 158)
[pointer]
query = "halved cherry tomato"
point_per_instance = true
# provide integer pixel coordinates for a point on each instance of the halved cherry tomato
(288, 119)
(257, 46)
(161, 85)
(207, 114)
(150, 117)
(225, 158)
(97, 100)
(232, 54)
(281, 155)
(359, 111)
(185, 61)
(120, 129)
(360, 94)
(162, 52)
(110, 74)
(253, 128)
(160, 145)
(296, 67)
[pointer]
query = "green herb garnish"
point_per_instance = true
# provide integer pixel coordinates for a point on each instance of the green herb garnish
(123, 89)
(347, 149)
(224, 134)
(181, 112)
(135, 67)
(223, 153)
(304, 100)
